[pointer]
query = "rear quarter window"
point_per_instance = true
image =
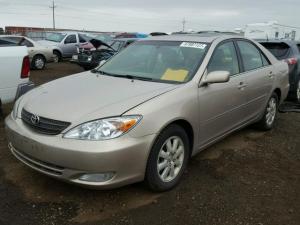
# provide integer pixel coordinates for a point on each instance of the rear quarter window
(279, 50)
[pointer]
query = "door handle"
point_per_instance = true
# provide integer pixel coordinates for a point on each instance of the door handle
(271, 75)
(242, 85)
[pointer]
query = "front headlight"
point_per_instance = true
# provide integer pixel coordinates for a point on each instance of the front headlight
(103, 129)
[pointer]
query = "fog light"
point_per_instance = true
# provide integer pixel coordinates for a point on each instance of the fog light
(97, 177)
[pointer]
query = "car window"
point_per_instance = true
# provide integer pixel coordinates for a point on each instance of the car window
(224, 59)
(71, 39)
(265, 60)
(251, 56)
(82, 39)
(279, 50)
(298, 45)
(14, 39)
(116, 45)
(26, 43)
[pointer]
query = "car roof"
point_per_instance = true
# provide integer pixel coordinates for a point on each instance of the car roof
(205, 37)
(11, 35)
(289, 42)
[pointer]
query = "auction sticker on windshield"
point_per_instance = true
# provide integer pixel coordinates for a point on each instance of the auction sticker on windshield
(193, 45)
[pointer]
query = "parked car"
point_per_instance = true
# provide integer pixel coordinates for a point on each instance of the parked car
(39, 55)
(90, 58)
(142, 114)
(131, 35)
(288, 51)
(106, 38)
(65, 43)
(14, 70)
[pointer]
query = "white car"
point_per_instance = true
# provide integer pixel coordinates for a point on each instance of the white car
(14, 71)
(39, 55)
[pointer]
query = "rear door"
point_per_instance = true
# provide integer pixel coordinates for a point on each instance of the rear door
(222, 105)
(259, 77)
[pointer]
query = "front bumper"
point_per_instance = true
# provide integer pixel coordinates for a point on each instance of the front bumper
(24, 88)
(65, 159)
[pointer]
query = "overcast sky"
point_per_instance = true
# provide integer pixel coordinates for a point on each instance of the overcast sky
(150, 15)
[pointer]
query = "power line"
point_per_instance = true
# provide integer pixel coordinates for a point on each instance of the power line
(53, 6)
(183, 24)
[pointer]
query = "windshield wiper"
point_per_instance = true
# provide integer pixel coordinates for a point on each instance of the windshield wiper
(131, 77)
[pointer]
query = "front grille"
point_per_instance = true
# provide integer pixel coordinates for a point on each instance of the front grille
(43, 125)
(37, 164)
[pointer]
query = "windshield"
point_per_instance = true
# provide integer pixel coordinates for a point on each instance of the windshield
(116, 45)
(56, 37)
(104, 37)
(164, 61)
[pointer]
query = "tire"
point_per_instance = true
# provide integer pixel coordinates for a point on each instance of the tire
(38, 62)
(86, 68)
(164, 179)
(57, 56)
(297, 92)
(270, 114)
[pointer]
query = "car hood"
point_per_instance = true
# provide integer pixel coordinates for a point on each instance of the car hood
(47, 43)
(88, 96)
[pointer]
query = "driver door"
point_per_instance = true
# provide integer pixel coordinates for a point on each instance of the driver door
(70, 45)
(221, 105)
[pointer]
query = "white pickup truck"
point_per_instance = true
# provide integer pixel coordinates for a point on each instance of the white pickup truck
(14, 71)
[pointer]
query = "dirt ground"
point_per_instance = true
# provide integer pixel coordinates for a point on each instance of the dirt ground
(250, 178)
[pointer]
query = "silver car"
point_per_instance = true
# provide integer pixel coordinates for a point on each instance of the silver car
(64, 44)
(145, 112)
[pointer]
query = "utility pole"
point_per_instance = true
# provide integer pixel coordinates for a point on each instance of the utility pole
(183, 24)
(53, 6)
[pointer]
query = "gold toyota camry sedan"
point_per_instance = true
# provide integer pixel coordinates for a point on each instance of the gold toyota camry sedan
(141, 115)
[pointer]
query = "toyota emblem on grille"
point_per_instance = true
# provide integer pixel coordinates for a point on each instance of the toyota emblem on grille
(35, 119)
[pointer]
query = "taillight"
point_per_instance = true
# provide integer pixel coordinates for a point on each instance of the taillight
(291, 61)
(25, 68)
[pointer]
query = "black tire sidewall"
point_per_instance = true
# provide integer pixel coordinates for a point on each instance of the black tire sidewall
(58, 55)
(152, 177)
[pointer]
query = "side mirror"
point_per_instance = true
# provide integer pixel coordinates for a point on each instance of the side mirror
(217, 77)
(102, 62)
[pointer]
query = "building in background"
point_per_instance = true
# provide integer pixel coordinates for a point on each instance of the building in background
(272, 30)
(38, 33)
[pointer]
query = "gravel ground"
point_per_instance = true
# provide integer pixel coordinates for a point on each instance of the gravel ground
(250, 178)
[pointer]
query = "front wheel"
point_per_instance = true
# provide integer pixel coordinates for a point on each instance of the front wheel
(268, 120)
(168, 159)
(57, 56)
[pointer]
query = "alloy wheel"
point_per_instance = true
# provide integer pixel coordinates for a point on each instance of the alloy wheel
(39, 63)
(298, 92)
(271, 111)
(170, 159)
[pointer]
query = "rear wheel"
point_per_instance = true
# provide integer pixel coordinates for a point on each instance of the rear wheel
(270, 114)
(168, 159)
(38, 62)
